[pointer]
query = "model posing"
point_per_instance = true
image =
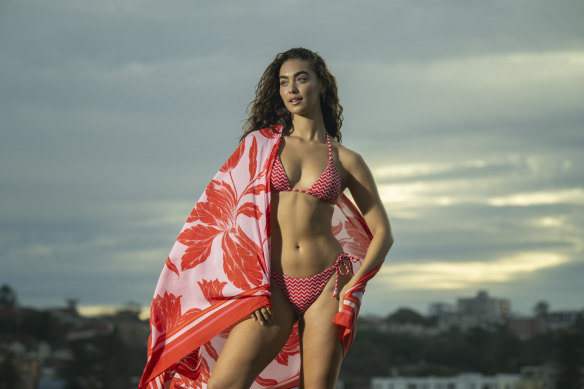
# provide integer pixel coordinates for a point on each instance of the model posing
(272, 315)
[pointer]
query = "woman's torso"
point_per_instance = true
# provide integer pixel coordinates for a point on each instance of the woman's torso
(302, 242)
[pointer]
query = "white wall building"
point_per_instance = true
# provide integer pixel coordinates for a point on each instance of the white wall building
(461, 381)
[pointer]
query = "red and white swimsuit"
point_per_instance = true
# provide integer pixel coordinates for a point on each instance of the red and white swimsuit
(327, 187)
(302, 292)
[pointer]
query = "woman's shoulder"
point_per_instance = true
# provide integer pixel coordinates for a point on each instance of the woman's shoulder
(347, 157)
(352, 165)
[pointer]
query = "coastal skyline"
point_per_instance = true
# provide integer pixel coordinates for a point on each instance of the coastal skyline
(115, 116)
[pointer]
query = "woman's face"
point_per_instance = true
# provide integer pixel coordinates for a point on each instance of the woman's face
(300, 88)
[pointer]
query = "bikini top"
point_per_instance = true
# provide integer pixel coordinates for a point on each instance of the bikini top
(327, 187)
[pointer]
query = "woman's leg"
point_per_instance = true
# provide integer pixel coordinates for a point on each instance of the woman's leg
(250, 346)
(322, 352)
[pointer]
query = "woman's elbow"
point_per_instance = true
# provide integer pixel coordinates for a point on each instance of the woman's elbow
(386, 239)
(389, 239)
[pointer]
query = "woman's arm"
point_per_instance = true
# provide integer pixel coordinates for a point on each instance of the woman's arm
(364, 191)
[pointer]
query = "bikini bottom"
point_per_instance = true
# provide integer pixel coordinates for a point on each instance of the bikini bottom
(302, 292)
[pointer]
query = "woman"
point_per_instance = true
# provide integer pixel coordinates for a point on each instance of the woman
(286, 242)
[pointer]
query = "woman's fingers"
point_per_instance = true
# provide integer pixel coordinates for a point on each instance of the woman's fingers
(263, 315)
(342, 297)
(266, 312)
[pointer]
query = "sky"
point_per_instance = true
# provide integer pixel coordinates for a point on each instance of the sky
(116, 114)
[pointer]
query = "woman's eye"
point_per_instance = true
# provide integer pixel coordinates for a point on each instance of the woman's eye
(283, 83)
(302, 79)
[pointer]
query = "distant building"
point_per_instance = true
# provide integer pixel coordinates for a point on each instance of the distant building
(538, 377)
(526, 327)
(90, 329)
(130, 328)
(49, 379)
(562, 319)
(480, 311)
(28, 371)
(440, 309)
(461, 381)
(68, 314)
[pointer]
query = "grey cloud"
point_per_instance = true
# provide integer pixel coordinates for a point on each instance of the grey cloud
(116, 115)
(472, 232)
(502, 173)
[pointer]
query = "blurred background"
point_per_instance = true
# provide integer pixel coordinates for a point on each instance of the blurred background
(116, 114)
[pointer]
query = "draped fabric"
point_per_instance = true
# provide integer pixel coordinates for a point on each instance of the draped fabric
(218, 270)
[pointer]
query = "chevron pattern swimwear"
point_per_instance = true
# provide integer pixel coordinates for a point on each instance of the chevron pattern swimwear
(327, 187)
(302, 292)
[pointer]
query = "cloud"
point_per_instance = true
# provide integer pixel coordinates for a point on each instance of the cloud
(444, 275)
(409, 189)
(570, 196)
(465, 95)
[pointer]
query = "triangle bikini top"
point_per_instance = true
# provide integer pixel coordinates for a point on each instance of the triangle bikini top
(327, 186)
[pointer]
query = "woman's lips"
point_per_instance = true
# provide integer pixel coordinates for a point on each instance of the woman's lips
(295, 101)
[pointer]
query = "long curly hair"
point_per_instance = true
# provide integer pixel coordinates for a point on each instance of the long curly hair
(267, 108)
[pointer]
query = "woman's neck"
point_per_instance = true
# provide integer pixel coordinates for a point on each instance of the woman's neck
(308, 129)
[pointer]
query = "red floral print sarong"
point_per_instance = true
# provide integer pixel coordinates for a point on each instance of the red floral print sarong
(218, 272)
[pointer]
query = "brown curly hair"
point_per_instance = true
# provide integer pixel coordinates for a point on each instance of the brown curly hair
(267, 108)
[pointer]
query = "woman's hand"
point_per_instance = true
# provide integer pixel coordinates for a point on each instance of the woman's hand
(263, 315)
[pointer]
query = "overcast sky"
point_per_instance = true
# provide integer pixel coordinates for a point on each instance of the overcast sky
(116, 114)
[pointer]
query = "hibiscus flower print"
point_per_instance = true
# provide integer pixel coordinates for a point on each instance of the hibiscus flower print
(220, 215)
(165, 311)
(212, 289)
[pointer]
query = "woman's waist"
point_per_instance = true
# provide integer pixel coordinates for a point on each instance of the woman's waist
(305, 257)
(298, 213)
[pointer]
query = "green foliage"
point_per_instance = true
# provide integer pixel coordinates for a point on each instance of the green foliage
(407, 315)
(39, 325)
(9, 378)
(570, 357)
(541, 309)
(104, 361)
(7, 297)
(377, 353)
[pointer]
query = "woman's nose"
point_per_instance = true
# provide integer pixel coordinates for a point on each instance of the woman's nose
(292, 87)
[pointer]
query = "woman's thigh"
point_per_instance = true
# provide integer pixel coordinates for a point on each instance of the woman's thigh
(322, 351)
(250, 346)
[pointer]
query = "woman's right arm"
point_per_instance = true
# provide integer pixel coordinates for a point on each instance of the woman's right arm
(362, 186)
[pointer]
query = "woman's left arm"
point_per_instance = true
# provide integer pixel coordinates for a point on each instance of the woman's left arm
(364, 191)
